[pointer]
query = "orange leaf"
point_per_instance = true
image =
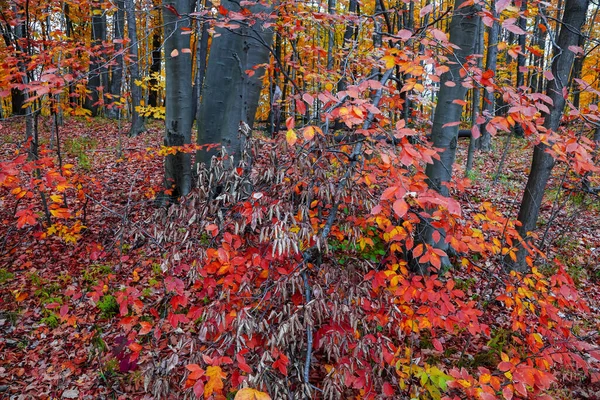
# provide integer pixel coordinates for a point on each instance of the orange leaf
(174, 53)
(215, 381)
(309, 132)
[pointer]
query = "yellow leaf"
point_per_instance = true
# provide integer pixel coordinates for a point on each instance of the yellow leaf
(390, 61)
(215, 381)
(291, 137)
(251, 394)
(309, 132)
(328, 86)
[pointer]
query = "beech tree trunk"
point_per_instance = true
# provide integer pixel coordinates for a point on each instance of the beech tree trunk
(230, 95)
(463, 33)
(179, 108)
(542, 163)
(137, 122)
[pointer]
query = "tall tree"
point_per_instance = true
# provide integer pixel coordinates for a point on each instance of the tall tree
(232, 85)
(522, 40)
(116, 78)
(179, 108)
(444, 133)
(97, 80)
(543, 162)
(137, 122)
(484, 143)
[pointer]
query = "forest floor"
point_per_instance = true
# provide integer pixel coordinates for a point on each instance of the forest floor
(59, 340)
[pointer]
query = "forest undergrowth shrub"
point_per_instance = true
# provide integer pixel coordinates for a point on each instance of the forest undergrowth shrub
(273, 305)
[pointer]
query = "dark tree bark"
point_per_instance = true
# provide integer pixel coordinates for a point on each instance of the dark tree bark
(349, 33)
(179, 108)
(137, 122)
(153, 91)
(542, 163)
(463, 33)
(230, 96)
(116, 79)
(201, 57)
(521, 61)
(98, 72)
(476, 100)
(484, 143)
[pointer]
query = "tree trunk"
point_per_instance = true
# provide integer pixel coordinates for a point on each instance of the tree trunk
(230, 95)
(137, 122)
(463, 33)
(153, 90)
(116, 81)
(521, 61)
(179, 108)
(484, 143)
(201, 57)
(98, 73)
(542, 163)
(476, 101)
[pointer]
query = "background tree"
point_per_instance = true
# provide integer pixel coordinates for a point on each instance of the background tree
(543, 162)
(98, 74)
(137, 122)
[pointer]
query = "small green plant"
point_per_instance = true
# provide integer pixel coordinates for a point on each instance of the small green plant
(5, 276)
(78, 147)
(110, 369)
(108, 306)
(52, 320)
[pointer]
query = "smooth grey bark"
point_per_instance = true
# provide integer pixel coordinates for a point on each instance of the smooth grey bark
(542, 163)
(463, 33)
(179, 108)
(484, 143)
(230, 96)
(98, 73)
(137, 122)
(116, 79)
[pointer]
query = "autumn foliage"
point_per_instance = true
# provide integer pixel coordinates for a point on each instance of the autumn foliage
(291, 273)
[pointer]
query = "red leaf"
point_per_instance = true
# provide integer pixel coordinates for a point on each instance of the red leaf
(388, 390)
(505, 366)
(400, 207)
